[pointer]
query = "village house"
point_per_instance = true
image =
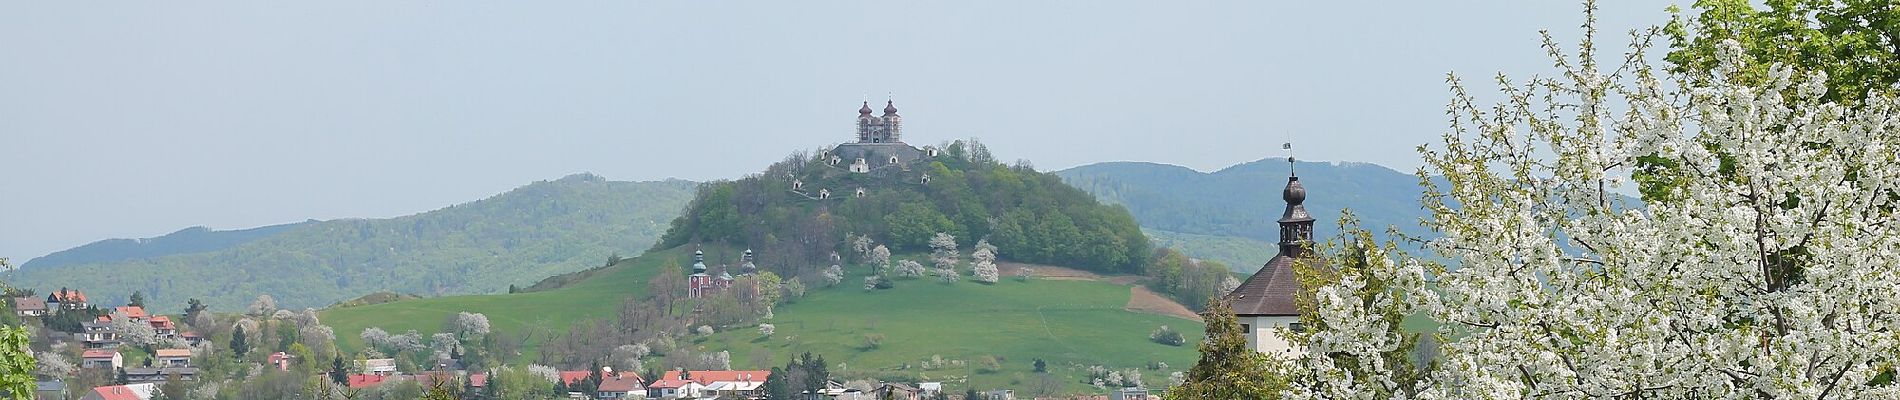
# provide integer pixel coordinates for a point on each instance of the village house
(136, 391)
(162, 325)
(29, 306)
(364, 381)
(171, 358)
(377, 366)
(98, 334)
(192, 338)
(696, 384)
(160, 374)
(623, 386)
(49, 390)
(1004, 394)
(102, 358)
(931, 389)
(131, 313)
(1131, 394)
(280, 360)
(897, 391)
(66, 299)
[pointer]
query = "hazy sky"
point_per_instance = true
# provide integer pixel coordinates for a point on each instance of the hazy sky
(135, 119)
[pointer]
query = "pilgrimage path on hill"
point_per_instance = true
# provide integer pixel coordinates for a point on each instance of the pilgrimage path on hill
(1140, 299)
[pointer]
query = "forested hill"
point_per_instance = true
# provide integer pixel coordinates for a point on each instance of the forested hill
(1028, 215)
(517, 237)
(1225, 211)
(195, 239)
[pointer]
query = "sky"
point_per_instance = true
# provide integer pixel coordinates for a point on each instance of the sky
(136, 119)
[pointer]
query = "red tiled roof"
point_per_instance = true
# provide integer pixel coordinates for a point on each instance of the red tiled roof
(130, 311)
(172, 353)
(359, 381)
(569, 377)
(103, 319)
(115, 393)
(190, 335)
(478, 380)
(99, 353)
(708, 377)
(68, 296)
(161, 322)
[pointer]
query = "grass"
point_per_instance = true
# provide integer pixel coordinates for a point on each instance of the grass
(1069, 324)
(517, 314)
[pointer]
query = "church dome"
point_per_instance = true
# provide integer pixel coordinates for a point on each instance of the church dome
(890, 107)
(866, 110)
(1294, 193)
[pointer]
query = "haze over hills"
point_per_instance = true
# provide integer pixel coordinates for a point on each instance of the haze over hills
(514, 238)
(1228, 215)
(195, 239)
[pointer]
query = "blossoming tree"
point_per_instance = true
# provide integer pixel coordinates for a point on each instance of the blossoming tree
(1769, 267)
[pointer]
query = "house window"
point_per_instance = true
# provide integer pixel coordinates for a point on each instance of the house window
(1248, 328)
(1296, 327)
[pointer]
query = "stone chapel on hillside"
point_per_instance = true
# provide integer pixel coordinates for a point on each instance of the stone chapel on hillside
(1266, 300)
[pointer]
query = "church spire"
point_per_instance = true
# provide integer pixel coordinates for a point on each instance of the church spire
(1296, 225)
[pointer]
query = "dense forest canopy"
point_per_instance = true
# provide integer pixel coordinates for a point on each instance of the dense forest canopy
(1029, 216)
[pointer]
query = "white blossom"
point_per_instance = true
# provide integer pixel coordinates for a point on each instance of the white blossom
(474, 324)
(910, 269)
(545, 372)
(263, 306)
(833, 275)
(767, 329)
(1765, 264)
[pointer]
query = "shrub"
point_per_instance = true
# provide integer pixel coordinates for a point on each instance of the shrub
(1167, 336)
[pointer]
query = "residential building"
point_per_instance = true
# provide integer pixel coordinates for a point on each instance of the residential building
(49, 390)
(98, 334)
(171, 358)
(377, 366)
(280, 360)
(897, 391)
(361, 381)
(136, 391)
(741, 384)
(1004, 394)
(624, 386)
(159, 375)
(66, 299)
(192, 338)
(931, 389)
(1265, 301)
(1131, 394)
(29, 306)
(102, 358)
(133, 313)
(163, 326)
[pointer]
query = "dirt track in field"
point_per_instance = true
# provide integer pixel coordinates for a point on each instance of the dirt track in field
(1140, 298)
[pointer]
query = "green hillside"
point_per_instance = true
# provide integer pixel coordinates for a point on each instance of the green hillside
(1071, 324)
(195, 239)
(1240, 254)
(514, 238)
(1197, 210)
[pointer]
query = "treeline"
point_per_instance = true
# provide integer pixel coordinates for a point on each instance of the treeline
(1029, 216)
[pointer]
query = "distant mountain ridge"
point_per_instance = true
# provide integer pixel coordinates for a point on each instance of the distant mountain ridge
(541, 229)
(1186, 209)
(197, 239)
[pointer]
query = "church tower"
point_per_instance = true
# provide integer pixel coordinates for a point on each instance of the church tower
(699, 284)
(1266, 300)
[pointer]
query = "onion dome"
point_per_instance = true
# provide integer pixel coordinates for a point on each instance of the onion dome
(890, 107)
(866, 110)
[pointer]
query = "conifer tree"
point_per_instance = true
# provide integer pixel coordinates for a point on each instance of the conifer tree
(1227, 369)
(239, 345)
